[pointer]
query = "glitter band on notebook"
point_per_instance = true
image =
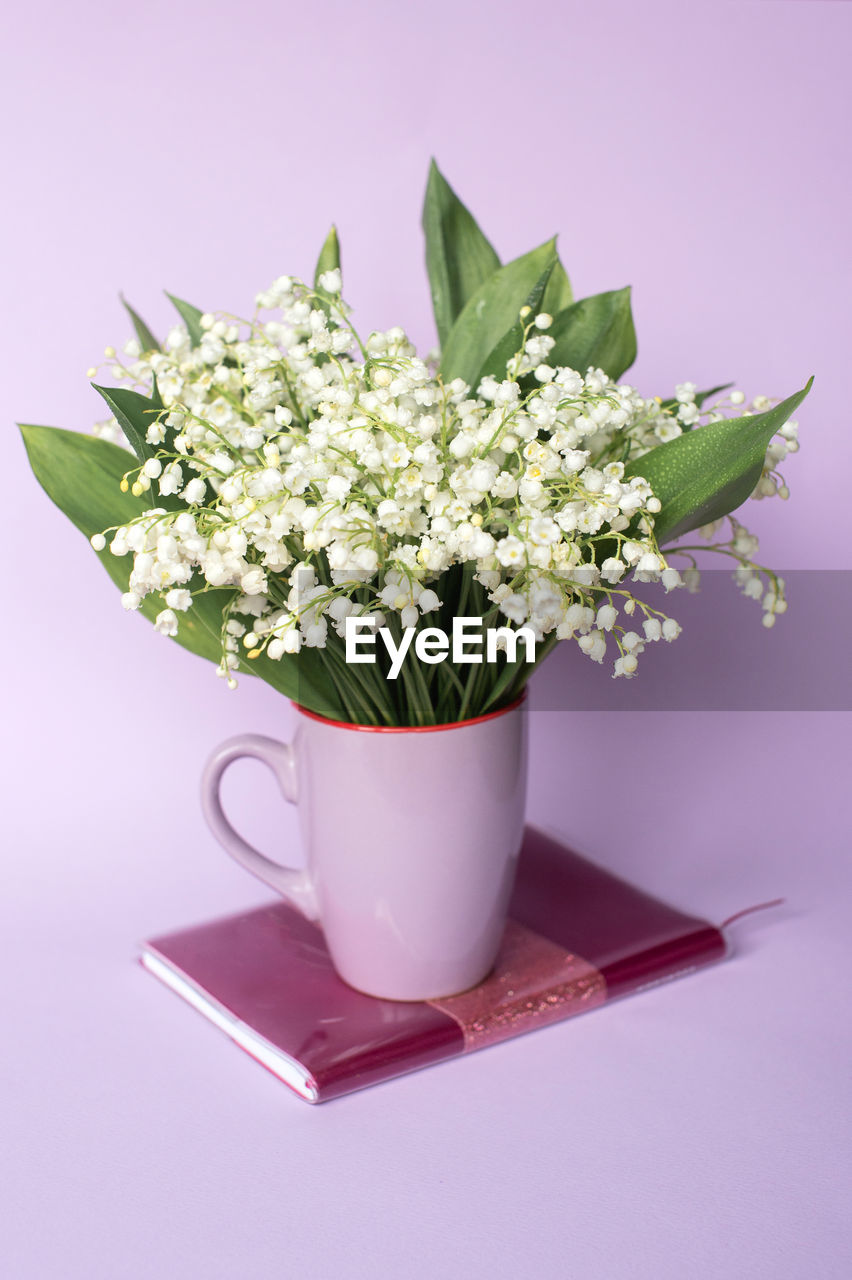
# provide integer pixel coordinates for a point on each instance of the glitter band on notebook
(535, 982)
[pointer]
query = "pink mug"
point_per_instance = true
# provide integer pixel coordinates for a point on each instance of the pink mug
(411, 838)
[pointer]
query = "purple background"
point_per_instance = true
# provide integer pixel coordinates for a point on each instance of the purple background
(697, 151)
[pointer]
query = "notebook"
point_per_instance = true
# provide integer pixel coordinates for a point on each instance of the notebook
(577, 937)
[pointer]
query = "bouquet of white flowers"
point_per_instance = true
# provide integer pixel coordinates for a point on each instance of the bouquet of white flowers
(321, 507)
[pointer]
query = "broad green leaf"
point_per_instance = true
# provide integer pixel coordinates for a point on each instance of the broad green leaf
(459, 259)
(329, 259)
(301, 677)
(329, 255)
(707, 473)
(595, 332)
(81, 475)
(492, 313)
(497, 359)
(146, 338)
(558, 295)
(134, 414)
(191, 316)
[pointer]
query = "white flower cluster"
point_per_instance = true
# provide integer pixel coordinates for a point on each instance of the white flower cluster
(321, 476)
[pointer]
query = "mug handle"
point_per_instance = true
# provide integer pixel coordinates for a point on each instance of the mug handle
(296, 886)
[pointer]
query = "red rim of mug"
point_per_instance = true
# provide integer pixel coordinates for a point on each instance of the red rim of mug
(412, 728)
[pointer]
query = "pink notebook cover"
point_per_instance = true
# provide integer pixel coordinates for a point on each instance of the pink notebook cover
(577, 937)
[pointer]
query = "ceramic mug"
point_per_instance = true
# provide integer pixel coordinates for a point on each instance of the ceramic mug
(411, 838)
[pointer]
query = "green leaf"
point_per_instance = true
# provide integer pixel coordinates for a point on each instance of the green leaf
(303, 678)
(707, 473)
(81, 475)
(492, 314)
(558, 295)
(134, 414)
(329, 259)
(191, 316)
(497, 359)
(146, 338)
(329, 256)
(459, 258)
(596, 332)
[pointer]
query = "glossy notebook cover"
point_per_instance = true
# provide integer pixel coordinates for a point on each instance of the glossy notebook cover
(577, 937)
